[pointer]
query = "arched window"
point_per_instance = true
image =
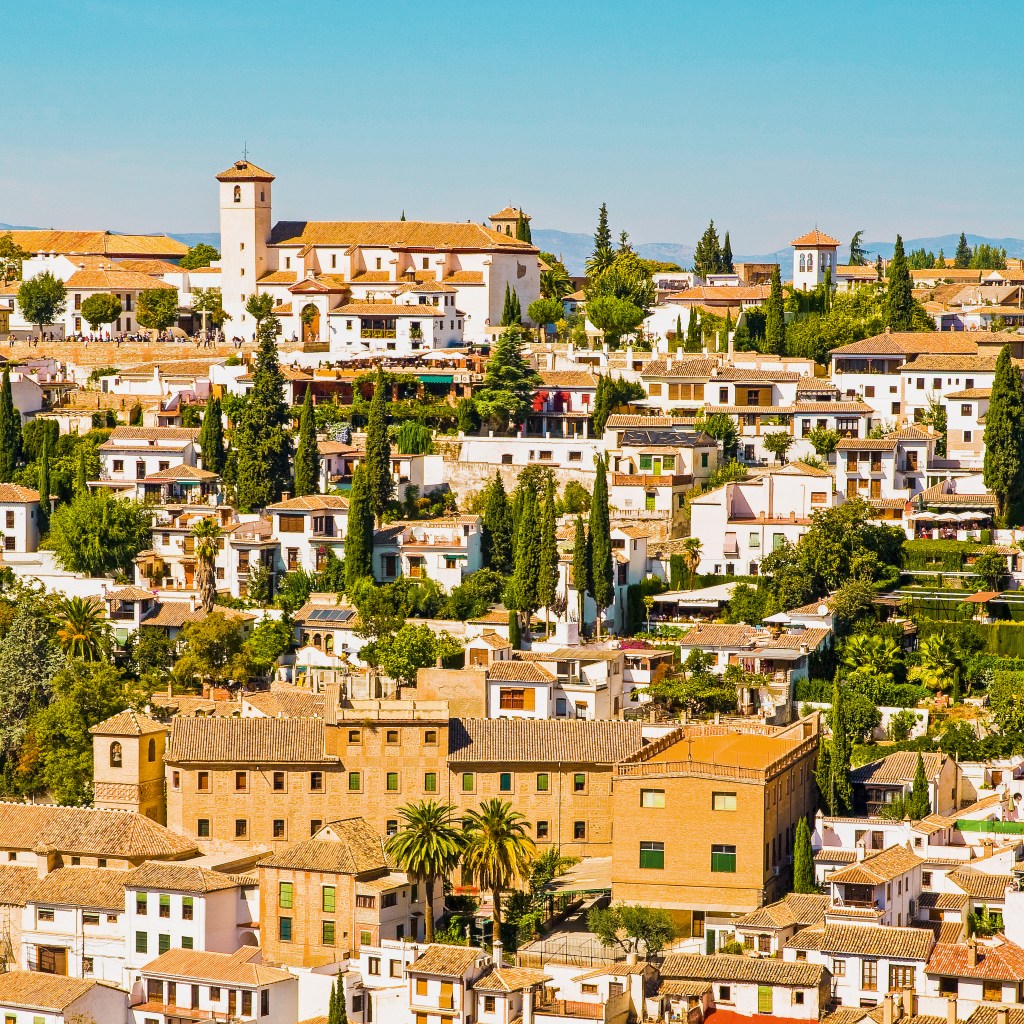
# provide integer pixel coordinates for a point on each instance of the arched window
(803, 262)
(152, 750)
(810, 262)
(317, 640)
(329, 643)
(115, 755)
(238, 193)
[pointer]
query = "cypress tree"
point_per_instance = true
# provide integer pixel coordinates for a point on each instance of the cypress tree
(601, 545)
(378, 451)
(506, 309)
(580, 569)
(827, 303)
(263, 462)
(603, 234)
(359, 536)
(899, 298)
(840, 791)
(775, 317)
(547, 577)
(43, 484)
(727, 264)
(497, 520)
(81, 481)
(1004, 427)
(803, 859)
(920, 805)
(515, 311)
(523, 229)
(680, 341)
(963, 253)
(694, 342)
(10, 431)
(522, 588)
(514, 633)
(307, 454)
(211, 437)
(707, 254)
(879, 270)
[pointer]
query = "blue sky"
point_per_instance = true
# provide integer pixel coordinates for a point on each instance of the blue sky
(770, 117)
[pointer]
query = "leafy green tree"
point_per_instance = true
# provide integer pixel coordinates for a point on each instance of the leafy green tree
(775, 319)
(899, 298)
(555, 282)
(82, 629)
(359, 536)
(545, 311)
(509, 383)
(497, 522)
(511, 312)
(601, 568)
(521, 592)
(213, 652)
(101, 308)
(614, 317)
(633, 928)
(693, 689)
(402, 654)
(707, 254)
(990, 568)
(963, 253)
(211, 437)
(10, 430)
(414, 438)
(262, 469)
(96, 534)
(727, 263)
(42, 300)
(427, 847)
(206, 533)
(694, 335)
(11, 257)
(157, 308)
(547, 576)
(628, 278)
(307, 454)
(858, 257)
(803, 860)
(581, 570)
(823, 441)
(603, 254)
(261, 308)
(498, 850)
(988, 257)
(81, 481)
(199, 255)
(778, 444)
(380, 483)
(1004, 427)
(208, 304)
(939, 664)
(833, 771)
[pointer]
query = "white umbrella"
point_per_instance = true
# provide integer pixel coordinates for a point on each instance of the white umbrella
(967, 517)
(947, 517)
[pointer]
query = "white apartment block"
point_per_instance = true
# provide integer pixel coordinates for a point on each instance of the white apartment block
(19, 519)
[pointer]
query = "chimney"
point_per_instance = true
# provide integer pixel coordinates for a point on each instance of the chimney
(887, 1009)
(909, 996)
(192, 602)
(528, 1006)
(1002, 1015)
(972, 953)
(951, 1010)
(496, 951)
(285, 495)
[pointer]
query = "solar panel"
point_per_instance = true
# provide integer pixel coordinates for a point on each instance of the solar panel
(330, 615)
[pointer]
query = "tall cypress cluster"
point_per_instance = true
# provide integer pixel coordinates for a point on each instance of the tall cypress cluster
(359, 537)
(601, 574)
(547, 575)
(1004, 427)
(10, 431)
(307, 454)
(775, 316)
(899, 295)
(379, 481)
(211, 437)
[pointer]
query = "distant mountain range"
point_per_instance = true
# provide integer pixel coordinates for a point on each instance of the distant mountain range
(574, 248)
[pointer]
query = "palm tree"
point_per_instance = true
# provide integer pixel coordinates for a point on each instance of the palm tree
(82, 630)
(498, 851)
(939, 666)
(871, 652)
(555, 283)
(427, 846)
(206, 533)
(692, 550)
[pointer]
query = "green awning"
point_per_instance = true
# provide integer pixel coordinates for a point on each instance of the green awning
(436, 378)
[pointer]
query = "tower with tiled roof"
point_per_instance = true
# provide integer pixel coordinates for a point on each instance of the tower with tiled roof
(813, 254)
(244, 236)
(128, 765)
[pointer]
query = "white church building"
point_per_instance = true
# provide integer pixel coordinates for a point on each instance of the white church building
(349, 285)
(813, 254)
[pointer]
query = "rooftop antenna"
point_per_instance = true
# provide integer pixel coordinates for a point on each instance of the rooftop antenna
(245, 150)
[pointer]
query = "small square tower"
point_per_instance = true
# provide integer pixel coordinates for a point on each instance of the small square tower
(813, 253)
(128, 765)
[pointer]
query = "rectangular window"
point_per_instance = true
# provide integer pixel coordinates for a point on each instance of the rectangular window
(543, 782)
(140, 903)
(265, 997)
(389, 899)
(391, 737)
(327, 933)
(579, 830)
(869, 975)
(579, 782)
(838, 968)
(992, 991)
(505, 782)
(279, 828)
(392, 782)
(395, 968)
(488, 1004)
(241, 828)
(285, 894)
(468, 782)
(315, 825)
(165, 906)
(430, 736)
(373, 965)
(284, 929)
(291, 524)
(430, 782)
(723, 859)
(316, 782)
(278, 782)
(203, 828)
(354, 782)
(353, 735)
(187, 908)
(141, 942)
(203, 782)
(542, 830)
(90, 919)
(723, 801)
(652, 855)
(366, 902)
(327, 901)
(652, 798)
(903, 976)
(163, 943)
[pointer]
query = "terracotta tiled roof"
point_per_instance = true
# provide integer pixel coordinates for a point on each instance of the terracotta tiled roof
(939, 495)
(450, 961)
(279, 277)
(404, 234)
(170, 368)
(807, 938)
(731, 294)
(519, 672)
(13, 494)
(509, 979)
(816, 237)
(867, 444)
(879, 868)
(867, 272)
(909, 343)
(719, 635)
(245, 170)
(877, 940)
(128, 723)
(835, 855)
(177, 877)
(980, 886)
(387, 309)
(729, 967)
(495, 641)
(466, 277)
(943, 900)
(743, 375)
(350, 846)
(157, 267)
(793, 909)
(287, 702)
(924, 363)
(989, 1015)
(95, 888)
(182, 434)
(16, 883)
(182, 472)
(970, 393)
(87, 831)
(676, 987)
(311, 503)
(114, 280)
(34, 990)
(508, 213)
(898, 768)
(501, 740)
(98, 243)
(567, 379)
(217, 968)
(998, 960)
(247, 740)
(700, 367)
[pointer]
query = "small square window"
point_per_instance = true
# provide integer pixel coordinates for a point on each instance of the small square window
(505, 782)
(579, 782)
(354, 782)
(241, 828)
(430, 736)
(579, 830)
(542, 830)
(391, 736)
(430, 782)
